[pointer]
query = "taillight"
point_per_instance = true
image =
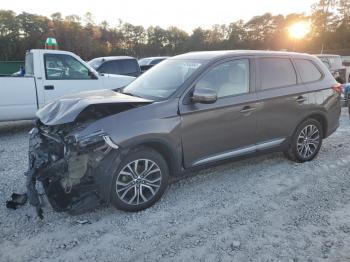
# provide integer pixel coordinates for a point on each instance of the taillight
(338, 88)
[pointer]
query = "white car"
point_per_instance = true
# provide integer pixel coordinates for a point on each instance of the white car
(148, 62)
(50, 74)
(152, 60)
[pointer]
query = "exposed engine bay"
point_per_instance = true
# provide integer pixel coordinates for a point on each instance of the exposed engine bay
(69, 169)
(75, 170)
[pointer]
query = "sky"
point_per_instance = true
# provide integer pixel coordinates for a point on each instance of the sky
(185, 14)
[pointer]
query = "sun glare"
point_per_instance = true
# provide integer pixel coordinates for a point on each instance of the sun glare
(299, 30)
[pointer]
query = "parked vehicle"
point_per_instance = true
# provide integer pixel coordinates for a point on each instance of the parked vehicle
(190, 111)
(346, 89)
(346, 64)
(335, 65)
(148, 62)
(120, 65)
(50, 74)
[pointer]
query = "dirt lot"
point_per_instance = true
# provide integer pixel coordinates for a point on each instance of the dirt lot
(260, 209)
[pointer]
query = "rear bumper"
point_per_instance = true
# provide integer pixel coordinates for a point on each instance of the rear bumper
(332, 130)
(333, 117)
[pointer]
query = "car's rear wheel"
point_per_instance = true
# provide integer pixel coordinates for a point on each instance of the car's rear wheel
(140, 181)
(306, 141)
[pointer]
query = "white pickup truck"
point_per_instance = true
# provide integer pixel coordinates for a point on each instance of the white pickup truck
(50, 74)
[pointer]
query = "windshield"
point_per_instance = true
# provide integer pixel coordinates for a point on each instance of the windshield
(95, 63)
(163, 80)
(144, 61)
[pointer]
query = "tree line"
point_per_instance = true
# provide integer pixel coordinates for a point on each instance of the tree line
(330, 30)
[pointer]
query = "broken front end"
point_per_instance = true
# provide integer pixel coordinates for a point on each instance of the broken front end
(75, 171)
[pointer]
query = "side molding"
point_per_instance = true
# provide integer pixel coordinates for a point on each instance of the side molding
(240, 151)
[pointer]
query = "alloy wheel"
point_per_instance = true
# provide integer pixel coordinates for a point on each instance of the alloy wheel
(308, 141)
(138, 181)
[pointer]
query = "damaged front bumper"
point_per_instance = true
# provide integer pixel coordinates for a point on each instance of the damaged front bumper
(76, 172)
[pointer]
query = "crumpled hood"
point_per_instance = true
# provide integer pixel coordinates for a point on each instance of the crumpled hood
(67, 108)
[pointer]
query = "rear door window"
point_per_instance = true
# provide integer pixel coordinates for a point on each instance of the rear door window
(308, 71)
(276, 72)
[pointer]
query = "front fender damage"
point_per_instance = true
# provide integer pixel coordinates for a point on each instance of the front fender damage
(75, 179)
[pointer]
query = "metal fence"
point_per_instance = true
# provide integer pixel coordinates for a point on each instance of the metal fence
(10, 67)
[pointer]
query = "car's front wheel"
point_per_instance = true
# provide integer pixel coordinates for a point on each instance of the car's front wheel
(140, 181)
(306, 141)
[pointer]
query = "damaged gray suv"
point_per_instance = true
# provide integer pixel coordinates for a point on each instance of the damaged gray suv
(192, 110)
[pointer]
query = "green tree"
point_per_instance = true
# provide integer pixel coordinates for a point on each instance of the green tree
(176, 40)
(330, 20)
(9, 36)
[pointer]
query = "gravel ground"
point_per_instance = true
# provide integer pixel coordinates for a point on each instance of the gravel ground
(261, 209)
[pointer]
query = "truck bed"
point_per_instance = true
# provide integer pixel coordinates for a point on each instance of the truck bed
(18, 98)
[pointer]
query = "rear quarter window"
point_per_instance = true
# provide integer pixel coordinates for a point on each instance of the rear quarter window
(276, 72)
(308, 71)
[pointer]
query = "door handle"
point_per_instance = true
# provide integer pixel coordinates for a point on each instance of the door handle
(49, 87)
(301, 99)
(247, 109)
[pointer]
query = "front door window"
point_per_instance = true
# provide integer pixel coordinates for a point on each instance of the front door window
(64, 67)
(227, 79)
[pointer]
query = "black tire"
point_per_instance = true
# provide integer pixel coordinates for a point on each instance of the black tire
(135, 185)
(293, 153)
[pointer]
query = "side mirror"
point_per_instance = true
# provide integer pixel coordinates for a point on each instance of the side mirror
(204, 96)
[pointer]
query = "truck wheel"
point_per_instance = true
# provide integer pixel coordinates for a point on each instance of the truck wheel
(140, 181)
(306, 141)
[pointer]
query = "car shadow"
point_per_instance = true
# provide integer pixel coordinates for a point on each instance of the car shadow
(15, 126)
